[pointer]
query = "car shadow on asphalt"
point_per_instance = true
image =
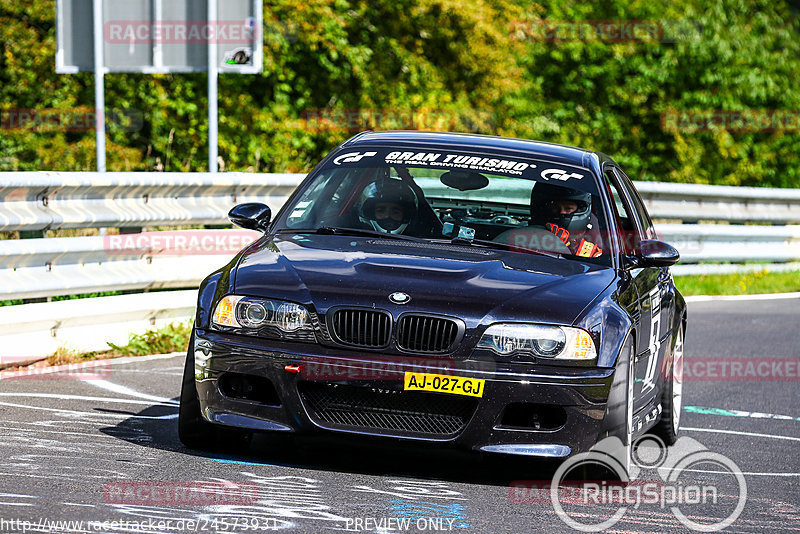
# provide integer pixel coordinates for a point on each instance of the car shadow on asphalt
(157, 427)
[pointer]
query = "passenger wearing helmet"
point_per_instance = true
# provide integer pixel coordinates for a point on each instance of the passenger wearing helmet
(566, 212)
(388, 205)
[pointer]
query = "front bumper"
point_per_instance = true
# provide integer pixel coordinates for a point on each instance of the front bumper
(578, 395)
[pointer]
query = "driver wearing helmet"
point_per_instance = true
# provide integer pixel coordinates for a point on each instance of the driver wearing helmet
(388, 205)
(565, 212)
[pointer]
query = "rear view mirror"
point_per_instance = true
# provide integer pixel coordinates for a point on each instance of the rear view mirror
(464, 180)
(655, 253)
(251, 216)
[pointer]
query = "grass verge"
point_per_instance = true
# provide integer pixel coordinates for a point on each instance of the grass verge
(171, 338)
(739, 283)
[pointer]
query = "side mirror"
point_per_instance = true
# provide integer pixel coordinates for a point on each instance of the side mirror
(657, 254)
(251, 216)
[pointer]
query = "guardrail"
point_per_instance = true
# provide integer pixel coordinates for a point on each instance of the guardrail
(55, 200)
(32, 201)
(47, 267)
(698, 202)
(732, 243)
(35, 330)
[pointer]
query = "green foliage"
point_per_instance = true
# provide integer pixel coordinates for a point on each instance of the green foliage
(727, 55)
(739, 283)
(438, 64)
(86, 295)
(171, 338)
(16, 302)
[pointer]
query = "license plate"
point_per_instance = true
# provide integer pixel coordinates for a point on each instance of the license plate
(457, 385)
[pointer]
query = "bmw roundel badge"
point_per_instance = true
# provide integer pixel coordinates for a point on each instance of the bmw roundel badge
(399, 297)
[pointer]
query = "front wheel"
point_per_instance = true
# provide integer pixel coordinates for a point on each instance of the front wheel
(672, 396)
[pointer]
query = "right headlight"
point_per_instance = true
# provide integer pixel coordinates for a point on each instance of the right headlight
(249, 315)
(543, 341)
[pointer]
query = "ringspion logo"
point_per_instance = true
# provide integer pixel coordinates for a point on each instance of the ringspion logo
(645, 476)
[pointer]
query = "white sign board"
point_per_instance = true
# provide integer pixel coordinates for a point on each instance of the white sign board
(160, 36)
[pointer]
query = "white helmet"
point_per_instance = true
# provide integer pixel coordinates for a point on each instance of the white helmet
(388, 190)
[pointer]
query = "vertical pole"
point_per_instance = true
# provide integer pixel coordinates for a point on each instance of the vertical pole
(158, 47)
(212, 87)
(99, 89)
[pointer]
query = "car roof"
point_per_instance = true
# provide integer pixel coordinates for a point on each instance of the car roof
(465, 141)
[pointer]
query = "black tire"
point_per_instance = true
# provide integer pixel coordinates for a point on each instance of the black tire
(194, 431)
(668, 425)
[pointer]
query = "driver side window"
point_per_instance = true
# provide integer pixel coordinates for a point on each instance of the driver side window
(629, 233)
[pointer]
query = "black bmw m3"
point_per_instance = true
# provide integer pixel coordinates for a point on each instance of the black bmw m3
(451, 290)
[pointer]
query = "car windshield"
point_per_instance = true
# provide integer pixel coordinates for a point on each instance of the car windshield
(507, 202)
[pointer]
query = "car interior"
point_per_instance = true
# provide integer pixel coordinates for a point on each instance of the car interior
(450, 205)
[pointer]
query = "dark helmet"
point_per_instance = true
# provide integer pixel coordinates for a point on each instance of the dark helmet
(545, 194)
(388, 190)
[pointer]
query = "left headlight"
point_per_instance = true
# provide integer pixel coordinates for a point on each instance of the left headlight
(251, 315)
(543, 341)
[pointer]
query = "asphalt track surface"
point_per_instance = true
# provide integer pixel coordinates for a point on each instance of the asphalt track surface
(66, 445)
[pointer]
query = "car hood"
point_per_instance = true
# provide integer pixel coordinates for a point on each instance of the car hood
(475, 284)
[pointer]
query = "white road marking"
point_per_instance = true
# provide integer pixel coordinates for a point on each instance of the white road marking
(738, 413)
(738, 433)
(90, 414)
(84, 398)
(737, 473)
(124, 390)
(765, 296)
(82, 434)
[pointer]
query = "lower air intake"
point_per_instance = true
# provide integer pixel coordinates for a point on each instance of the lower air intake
(372, 408)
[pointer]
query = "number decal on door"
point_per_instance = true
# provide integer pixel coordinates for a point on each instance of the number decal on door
(655, 338)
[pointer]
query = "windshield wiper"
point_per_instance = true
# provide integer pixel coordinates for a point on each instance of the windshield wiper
(480, 243)
(502, 246)
(335, 230)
